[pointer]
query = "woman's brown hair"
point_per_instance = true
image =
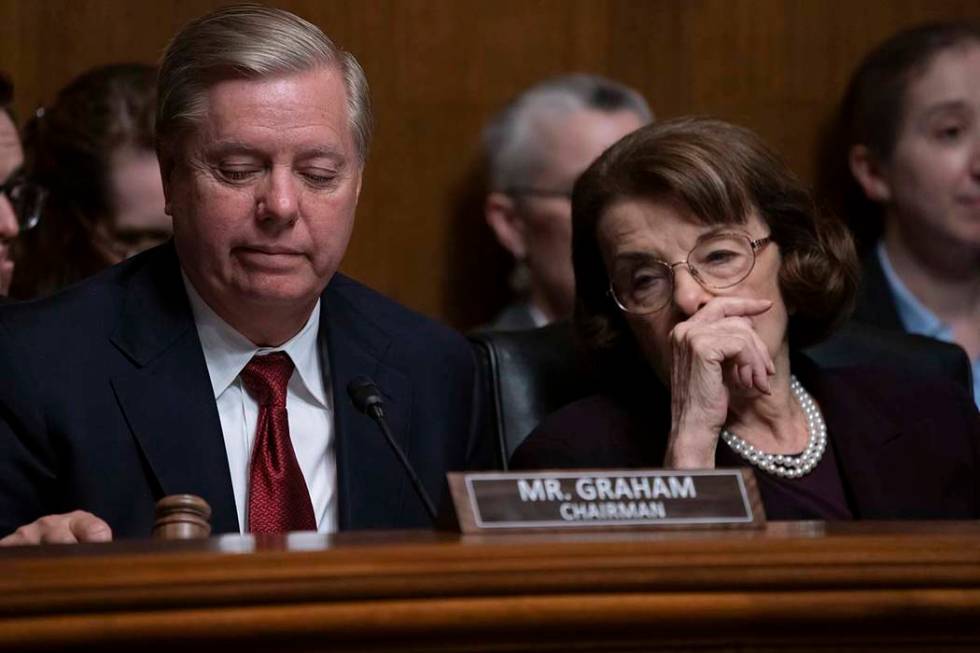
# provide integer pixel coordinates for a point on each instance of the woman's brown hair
(69, 150)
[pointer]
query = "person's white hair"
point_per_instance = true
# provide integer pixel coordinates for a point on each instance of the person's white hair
(249, 41)
(510, 140)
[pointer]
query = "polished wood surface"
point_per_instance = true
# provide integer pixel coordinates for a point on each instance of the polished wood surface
(800, 586)
(440, 68)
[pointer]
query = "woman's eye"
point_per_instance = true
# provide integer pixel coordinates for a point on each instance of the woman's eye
(645, 280)
(719, 256)
(949, 132)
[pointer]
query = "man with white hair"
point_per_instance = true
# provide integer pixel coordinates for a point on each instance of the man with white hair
(536, 148)
(219, 364)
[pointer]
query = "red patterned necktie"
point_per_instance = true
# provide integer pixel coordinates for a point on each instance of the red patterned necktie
(278, 500)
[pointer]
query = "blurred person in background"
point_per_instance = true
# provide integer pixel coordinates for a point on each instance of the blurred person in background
(20, 200)
(536, 147)
(94, 152)
(904, 168)
(11, 159)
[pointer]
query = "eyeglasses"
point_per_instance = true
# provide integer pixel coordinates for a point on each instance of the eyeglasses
(27, 199)
(643, 284)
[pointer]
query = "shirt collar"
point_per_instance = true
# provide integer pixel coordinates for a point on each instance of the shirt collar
(226, 351)
(914, 315)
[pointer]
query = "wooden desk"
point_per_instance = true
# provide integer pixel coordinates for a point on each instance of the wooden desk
(800, 586)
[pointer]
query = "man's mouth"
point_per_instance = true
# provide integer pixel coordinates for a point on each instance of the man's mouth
(267, 250)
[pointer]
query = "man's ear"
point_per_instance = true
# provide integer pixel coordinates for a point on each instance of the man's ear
(504, 218)
(868, 172)
(166, 170)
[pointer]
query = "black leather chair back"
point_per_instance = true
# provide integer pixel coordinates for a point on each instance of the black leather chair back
(529, 374)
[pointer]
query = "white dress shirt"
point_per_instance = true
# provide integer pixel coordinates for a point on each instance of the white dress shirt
(308, 406)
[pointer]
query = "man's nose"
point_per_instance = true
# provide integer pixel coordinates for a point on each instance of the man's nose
(278, 197)
(689, 295)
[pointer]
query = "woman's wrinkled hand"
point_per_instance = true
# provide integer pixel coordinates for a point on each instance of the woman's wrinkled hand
(714, 352)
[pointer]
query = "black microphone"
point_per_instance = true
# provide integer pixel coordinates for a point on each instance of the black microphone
(367, 398)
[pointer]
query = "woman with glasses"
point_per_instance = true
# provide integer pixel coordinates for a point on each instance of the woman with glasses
(93, 150)
(20, 200)
(702, 268)
(11, 158)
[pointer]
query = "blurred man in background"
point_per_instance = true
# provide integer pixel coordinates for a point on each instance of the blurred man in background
(11, 158)
(536, 147)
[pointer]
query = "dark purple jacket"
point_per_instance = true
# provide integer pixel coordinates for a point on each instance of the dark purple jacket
(906, 448)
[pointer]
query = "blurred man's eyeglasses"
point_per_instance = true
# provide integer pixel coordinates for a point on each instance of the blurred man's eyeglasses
(642, 284)
(27, 199)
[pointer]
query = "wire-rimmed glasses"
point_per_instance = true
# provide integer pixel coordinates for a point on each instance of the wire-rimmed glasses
(643, 284)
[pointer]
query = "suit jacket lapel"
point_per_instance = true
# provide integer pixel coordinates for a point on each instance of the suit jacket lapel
(371, 484)
(166, 395)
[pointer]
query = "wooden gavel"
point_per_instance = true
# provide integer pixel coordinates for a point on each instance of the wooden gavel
(182, 517)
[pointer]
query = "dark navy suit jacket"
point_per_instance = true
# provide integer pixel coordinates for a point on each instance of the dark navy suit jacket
(106, 403)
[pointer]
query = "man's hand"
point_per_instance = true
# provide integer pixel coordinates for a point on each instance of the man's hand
(69, 528)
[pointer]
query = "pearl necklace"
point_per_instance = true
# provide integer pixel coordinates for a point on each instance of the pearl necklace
(788, 466)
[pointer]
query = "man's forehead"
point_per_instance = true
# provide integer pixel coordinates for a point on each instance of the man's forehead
(222, 148)
(322, 87)
(310, 104)
(571, 140)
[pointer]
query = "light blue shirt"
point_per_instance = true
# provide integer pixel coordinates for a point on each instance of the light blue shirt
(917, 318)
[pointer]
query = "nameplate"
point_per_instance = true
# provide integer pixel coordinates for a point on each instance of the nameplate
(606, 499)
